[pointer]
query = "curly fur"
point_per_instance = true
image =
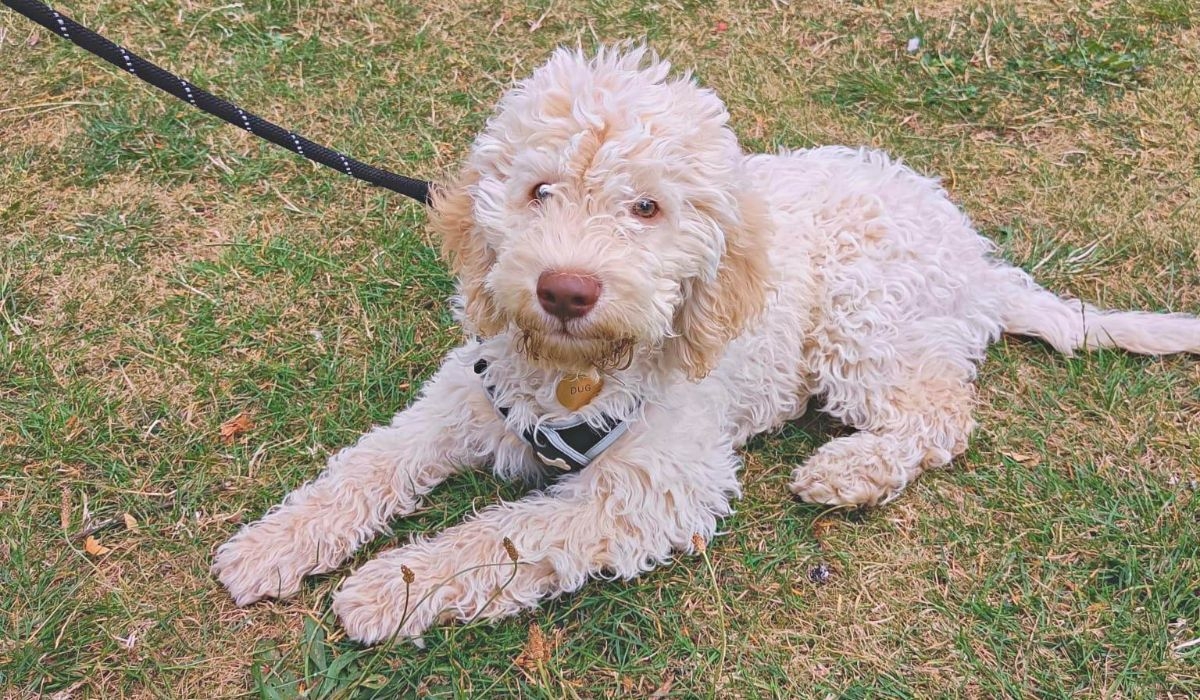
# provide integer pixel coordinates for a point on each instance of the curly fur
(763, 280)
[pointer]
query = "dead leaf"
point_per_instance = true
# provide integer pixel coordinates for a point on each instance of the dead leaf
(67, 693)
(665, 689)
(73, 428)
(1023, 458)
(235, 427)
(536, 646)
(93, 547)
(131, 522)
(64, 512)
(536, 652)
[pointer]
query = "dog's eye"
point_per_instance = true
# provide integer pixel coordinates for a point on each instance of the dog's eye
(645, 207)
(541, 191)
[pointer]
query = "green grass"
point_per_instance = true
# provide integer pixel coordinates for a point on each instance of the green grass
(161, 273)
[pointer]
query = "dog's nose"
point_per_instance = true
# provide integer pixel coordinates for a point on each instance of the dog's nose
(567, 295)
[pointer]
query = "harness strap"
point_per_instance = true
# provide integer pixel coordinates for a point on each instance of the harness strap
(568, 445)
(197, 97)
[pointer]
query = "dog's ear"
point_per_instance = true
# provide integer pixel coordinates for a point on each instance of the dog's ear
(452, 217)
(715, 312)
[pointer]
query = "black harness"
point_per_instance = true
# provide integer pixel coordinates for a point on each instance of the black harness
(568, 445)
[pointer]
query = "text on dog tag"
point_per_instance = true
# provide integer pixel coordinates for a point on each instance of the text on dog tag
(575, 391)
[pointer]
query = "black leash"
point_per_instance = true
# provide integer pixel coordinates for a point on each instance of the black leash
(168, 82)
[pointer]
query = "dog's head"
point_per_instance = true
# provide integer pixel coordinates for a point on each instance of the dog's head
(603, 209)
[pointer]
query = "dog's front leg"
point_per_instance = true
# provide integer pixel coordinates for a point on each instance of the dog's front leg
(451, 427)
(622, 515)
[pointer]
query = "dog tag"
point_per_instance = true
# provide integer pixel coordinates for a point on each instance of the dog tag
(575, 391)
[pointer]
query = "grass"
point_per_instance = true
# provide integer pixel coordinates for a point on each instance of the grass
(161, 274)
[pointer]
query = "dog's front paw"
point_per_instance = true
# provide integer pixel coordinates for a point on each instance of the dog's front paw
(263, 560)
(387, 598)
(407, 590)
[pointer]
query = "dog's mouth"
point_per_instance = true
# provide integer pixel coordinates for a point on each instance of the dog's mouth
(599, 339)
(565, 349)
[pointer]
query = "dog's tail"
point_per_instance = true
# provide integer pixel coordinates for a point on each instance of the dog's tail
(1069, 324)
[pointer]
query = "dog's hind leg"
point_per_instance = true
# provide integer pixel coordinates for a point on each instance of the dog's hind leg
(452, 427)
(907, 429)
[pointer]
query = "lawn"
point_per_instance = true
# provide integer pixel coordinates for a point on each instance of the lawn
(163, 274)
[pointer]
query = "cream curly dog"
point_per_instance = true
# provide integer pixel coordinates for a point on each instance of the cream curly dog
(621, 262)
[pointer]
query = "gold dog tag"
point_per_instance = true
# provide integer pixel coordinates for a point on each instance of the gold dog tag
(575, 391)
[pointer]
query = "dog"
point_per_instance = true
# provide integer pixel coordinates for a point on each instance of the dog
(640, 297)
